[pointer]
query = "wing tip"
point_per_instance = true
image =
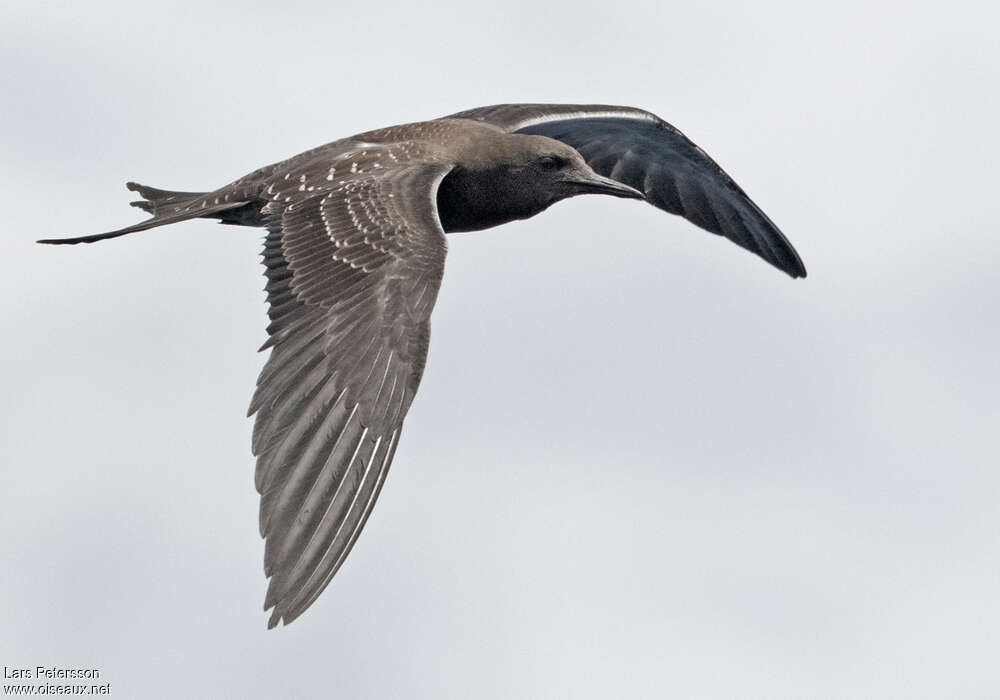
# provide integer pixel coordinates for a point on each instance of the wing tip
(792, 265)
(280, 613)
(796, 270)
(275, 606)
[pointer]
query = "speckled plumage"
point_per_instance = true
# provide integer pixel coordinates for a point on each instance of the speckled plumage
(354, 258)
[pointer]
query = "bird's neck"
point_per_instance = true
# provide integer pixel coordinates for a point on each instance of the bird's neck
(476, 199)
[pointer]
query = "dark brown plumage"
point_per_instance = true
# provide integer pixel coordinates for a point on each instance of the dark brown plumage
(354, 258)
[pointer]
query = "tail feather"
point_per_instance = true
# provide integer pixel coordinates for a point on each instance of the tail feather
(167, 208)
(158, 201)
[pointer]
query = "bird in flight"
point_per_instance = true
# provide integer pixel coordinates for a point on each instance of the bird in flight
(354, 257)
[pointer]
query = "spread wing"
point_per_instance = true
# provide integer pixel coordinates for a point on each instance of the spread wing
(354, 255)
(640, 149)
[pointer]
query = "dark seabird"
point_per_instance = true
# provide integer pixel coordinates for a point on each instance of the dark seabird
(355, 254)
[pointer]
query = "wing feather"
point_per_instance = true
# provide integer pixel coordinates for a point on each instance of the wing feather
(353, 268)
(641, 150)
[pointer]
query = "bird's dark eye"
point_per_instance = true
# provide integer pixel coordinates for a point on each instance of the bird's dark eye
(550, 162)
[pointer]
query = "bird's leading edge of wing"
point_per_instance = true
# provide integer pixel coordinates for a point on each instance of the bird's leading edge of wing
(641, 150)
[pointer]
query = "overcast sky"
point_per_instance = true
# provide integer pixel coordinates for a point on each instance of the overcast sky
(642, 463)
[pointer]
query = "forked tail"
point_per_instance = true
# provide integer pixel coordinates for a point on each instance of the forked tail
(167, 208)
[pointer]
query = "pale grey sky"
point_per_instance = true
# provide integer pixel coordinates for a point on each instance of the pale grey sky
(641, 464)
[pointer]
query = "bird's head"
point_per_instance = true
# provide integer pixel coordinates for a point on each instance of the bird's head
(503, 177)
(555, 170)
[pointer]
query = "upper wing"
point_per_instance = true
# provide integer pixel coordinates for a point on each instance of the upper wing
(354, 263)
(640, 149)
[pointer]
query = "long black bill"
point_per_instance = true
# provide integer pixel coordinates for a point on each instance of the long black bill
(598, 184)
